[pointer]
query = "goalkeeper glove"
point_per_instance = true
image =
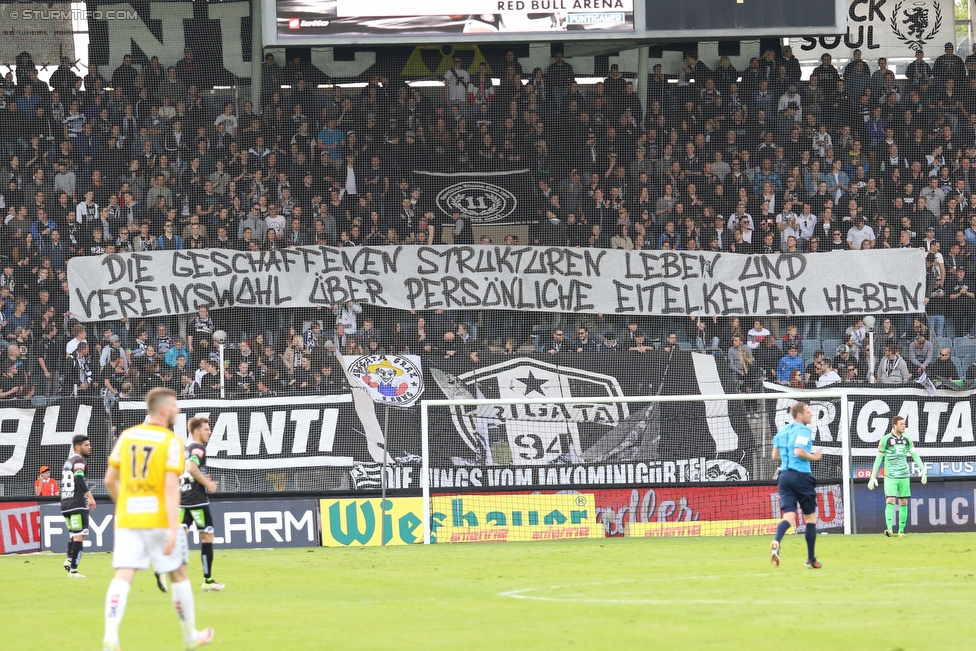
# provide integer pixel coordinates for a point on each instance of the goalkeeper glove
(925, 478)
(872, 483)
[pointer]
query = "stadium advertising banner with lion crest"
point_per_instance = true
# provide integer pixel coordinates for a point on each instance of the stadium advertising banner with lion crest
(886, 28)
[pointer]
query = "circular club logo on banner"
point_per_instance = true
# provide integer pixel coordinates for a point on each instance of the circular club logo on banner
(725, 470)
(390, 379)
(478, 201)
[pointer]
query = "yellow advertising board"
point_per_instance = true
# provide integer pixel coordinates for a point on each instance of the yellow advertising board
(472, 517)
(358, 523)
(713, 528)
(475, 517)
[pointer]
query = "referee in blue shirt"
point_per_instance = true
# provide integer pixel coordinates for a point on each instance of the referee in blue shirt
(793, 448)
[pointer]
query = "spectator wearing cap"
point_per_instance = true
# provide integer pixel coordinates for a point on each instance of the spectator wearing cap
(919, 70)
(790, 362)
(44, 486)
(791, 98)
(845, 360)
(113, 351)
(949, 66)
(610, 343)
(13, 382)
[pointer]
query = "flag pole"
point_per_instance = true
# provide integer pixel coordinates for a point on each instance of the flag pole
(386, 424)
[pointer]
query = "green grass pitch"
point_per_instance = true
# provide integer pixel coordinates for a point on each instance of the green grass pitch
(707, 593)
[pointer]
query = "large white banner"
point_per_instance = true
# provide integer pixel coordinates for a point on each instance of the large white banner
(941, 425)
(165, 283)
(886, 28)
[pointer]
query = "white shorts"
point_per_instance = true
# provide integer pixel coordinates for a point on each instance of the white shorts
(135, 548)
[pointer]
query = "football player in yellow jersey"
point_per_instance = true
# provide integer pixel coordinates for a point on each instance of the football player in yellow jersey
(143, 478)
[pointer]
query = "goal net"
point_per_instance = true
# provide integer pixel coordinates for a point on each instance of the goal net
(594, 466)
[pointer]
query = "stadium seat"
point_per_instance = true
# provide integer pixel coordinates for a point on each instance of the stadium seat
(959, 366)
(966, 348)
(961, 341)
(830, 346)
(965, 362)
(685, 345)
(536, 344)
(943, 342)
(811, 345)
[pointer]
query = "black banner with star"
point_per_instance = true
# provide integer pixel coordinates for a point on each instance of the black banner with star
(326, 441)
(584, 443)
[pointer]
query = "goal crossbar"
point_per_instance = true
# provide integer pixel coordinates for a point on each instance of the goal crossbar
(843, 427)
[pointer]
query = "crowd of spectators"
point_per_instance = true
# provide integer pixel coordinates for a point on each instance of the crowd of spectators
(752, 161)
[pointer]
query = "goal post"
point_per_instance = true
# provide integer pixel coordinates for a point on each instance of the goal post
(588, 447)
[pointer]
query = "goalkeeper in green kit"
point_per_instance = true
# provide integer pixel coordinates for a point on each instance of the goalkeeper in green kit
(894, 448)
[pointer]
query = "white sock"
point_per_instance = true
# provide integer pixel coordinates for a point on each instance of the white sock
(183, 603)
(118, 594)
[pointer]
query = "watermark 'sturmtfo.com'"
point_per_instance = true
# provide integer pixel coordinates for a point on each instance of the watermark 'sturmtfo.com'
(71, 14)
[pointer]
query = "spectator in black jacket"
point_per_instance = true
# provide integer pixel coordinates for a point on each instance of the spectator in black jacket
(943, 366)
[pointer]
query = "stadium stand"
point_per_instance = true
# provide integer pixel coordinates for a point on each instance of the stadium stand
(135, 159)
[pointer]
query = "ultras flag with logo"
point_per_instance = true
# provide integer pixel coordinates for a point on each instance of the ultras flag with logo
(480, 197)
(335, 440)
(584, 443)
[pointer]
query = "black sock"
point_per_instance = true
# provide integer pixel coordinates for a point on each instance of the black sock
(781, 530)
(71, 546)
(811, 535)
(206, 555)
(76, 547)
